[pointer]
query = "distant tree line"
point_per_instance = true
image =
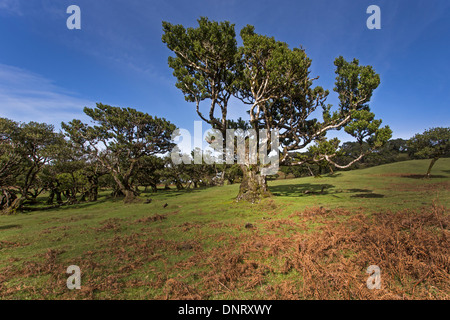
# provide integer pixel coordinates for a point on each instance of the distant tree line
(126, 149)
(431, 144)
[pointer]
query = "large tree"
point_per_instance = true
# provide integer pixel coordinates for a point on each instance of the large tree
(431, 144)
(120, 139)
(274, 82)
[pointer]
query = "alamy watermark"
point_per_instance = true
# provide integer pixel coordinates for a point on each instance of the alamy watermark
(248, 147)
(74, 281)
(74, 21)
(374, 21)
(374, 280)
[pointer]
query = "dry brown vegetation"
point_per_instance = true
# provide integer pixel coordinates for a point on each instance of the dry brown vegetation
(273, 259)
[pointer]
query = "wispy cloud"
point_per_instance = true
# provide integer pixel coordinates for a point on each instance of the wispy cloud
(26, 96)
(10, 7)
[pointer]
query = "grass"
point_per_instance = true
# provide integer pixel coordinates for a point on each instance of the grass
(204, 245)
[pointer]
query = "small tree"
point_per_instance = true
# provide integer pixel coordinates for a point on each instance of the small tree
(25, 149)
(120, 139)
(432, 144)
(150, 172)
(10, 161)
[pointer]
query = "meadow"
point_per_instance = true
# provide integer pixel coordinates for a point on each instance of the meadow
(314, 239)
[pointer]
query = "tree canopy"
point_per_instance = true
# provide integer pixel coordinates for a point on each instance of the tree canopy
(120, 139)
(274, 83)
(432, 144)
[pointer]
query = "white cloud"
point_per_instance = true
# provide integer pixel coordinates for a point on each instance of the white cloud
(10, 7)
(25, 96)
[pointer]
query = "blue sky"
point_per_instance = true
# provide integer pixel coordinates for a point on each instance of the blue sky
(49, 73)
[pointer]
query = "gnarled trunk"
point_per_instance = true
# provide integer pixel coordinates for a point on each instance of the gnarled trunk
(7, 199)
(130, 196)
(253, 186)
(433, 161)
(16, 205)
(125, 188)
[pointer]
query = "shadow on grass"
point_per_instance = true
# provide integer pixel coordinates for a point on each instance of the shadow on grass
(296, 190)
(422, 176)
(358, 190)
(170, 193)
(42, 206)
(10, 226)
(368, 195)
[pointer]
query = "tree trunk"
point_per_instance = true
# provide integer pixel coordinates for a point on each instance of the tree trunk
(16, 205)
(58, 197)
(130, 196)
(93, 193)
(253, 186)
(433, 161)
(8, 197)
(126, 189)
(331, 169)
(72, 193)
(51, 197)
(93, 188)
(179, 185)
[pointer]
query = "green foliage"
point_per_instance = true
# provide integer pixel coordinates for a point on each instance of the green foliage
(25, 148)
(354, 84)
(392, 151)
(274, 81)
(432, 143)
(204, 64)
(150, 172)
(10, 155)
(120, 138)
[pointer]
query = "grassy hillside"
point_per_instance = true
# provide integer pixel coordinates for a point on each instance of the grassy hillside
(314, 239)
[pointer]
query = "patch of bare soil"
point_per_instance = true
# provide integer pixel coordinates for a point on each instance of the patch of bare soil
(423, 187)
(156, 217)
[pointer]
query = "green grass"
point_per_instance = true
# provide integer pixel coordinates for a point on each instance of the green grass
(124, 258)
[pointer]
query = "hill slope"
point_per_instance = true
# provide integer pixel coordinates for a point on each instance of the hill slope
(313, 239)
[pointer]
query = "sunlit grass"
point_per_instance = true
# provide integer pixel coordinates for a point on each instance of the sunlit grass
(196, 221)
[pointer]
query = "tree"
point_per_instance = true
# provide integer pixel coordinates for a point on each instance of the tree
(150, 172)
(393, 151)
(120, 139)
(274, 82)
(26, 149)
(431, 144)
(204, 65)
(10, 161)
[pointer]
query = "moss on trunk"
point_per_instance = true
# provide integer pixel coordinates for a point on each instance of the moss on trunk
(253, 186)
